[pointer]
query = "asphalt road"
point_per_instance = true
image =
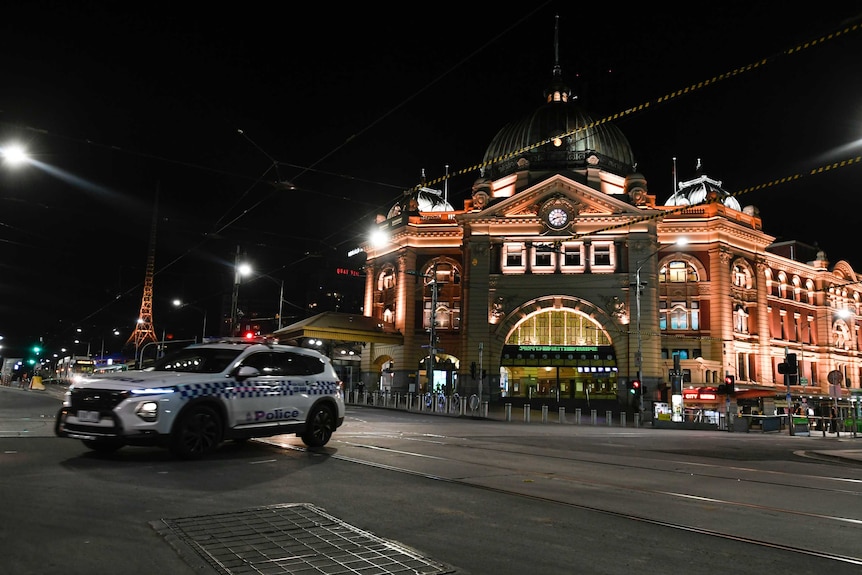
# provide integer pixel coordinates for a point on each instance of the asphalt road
(470, 496)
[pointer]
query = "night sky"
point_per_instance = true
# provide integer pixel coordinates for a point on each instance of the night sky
(194, 115)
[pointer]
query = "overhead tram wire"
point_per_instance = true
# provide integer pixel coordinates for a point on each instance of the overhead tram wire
(846, 28)
(674, 95)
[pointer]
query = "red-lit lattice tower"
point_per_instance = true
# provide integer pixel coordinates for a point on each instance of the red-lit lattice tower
(144, 331)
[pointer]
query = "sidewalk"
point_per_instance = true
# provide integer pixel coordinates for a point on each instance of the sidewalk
(822, 444)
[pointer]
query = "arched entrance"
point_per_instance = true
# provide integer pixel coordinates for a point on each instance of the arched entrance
(559, 354)
(445, 374)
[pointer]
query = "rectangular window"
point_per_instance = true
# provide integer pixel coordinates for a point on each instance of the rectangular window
(514, 258)
(601, 255)
(572, 256)
(543, 260)
(695, 315)
(662, 315)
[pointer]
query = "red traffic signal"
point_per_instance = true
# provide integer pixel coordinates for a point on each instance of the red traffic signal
(248, 335)
(635, 387)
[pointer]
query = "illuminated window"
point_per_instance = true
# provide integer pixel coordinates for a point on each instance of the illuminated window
(680, 316)
(386, 279)
(741, 319)
(448, 295)
(677, 272)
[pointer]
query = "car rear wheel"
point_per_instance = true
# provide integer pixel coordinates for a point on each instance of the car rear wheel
(319, 427)
(197, 433)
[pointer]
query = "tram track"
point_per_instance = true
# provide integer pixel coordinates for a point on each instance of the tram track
(492, 458)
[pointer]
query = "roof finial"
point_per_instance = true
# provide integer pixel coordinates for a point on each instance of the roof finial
(557, 91)
(557, 70)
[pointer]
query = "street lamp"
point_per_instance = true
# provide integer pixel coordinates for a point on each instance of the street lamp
(239, 270)
(639, 355)
(14, 154)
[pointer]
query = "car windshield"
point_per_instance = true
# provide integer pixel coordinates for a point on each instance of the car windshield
(198, 360)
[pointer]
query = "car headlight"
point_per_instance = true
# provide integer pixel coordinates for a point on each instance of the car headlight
(148, 410)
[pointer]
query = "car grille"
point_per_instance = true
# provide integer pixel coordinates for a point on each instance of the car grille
(96, 399)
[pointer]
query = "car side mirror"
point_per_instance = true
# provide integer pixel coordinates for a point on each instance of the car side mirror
(246, 371)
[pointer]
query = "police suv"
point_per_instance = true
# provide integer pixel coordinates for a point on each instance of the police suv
(194, 399)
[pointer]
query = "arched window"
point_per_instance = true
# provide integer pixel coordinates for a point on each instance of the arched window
(385, 296)
(797, 288)
(443, 276)
(558, 327)
(388, 314)
(742, 276)
(782, 285)
(677, 271)
(808, 294)
(386, 279)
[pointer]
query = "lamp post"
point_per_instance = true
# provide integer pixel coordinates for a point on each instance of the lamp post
(639, 355)
(115, 332)
(239, 270)
(280, 301)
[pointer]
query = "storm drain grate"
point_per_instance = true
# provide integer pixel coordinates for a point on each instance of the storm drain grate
(295, 538)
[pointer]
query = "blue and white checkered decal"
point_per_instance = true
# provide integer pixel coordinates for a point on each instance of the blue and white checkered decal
(227, 390)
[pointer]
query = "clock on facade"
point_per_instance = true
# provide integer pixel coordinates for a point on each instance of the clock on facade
(558, 218)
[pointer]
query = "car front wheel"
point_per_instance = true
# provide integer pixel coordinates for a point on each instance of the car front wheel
(319, 427)
(197, 433)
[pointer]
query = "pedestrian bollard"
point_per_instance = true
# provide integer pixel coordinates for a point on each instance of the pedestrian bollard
(508, 412)
(637, 418)
(622, 419)
(526, 413)
(464, 406)
(486, 409)
(609, 417)
(593, 417)
(577, 416)
(562, 416)
(544, 414)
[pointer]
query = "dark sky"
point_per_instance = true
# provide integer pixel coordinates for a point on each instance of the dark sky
(122, 104)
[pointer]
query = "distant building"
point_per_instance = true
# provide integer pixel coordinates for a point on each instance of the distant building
(533, 282)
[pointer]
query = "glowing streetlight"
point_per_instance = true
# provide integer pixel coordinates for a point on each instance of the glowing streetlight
(14, 154)
(240, 269)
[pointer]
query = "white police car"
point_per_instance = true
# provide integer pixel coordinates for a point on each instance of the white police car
(196, 398)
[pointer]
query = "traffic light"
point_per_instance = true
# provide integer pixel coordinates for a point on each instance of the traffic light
(729, 385)
(789, 368)
(635, 387)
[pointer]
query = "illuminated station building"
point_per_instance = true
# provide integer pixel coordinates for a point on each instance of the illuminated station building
(532, 283)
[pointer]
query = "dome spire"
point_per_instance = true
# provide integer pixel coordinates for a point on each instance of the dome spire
(557, 91)
(558, 71)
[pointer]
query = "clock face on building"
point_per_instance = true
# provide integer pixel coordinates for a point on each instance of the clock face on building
(558, 218)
